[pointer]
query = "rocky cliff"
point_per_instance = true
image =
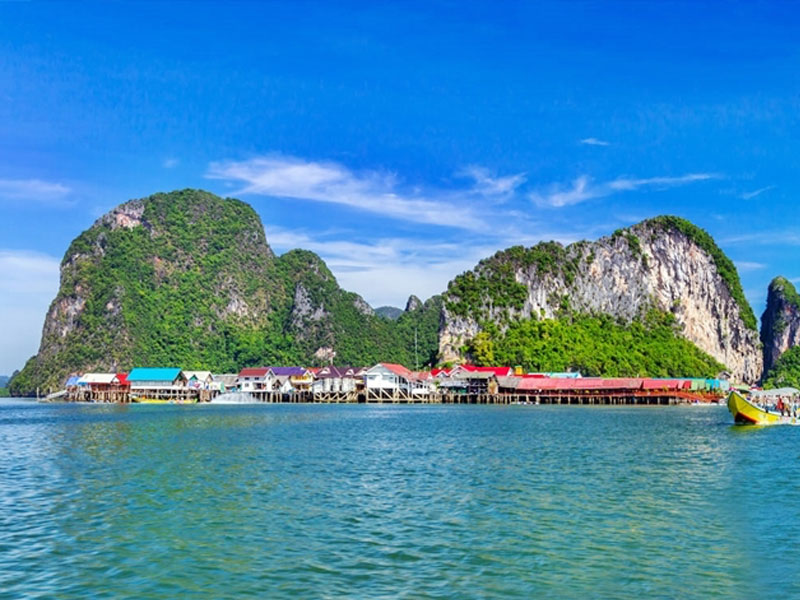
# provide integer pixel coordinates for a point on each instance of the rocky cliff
(188, 279)
(780, 323)
(666, 264)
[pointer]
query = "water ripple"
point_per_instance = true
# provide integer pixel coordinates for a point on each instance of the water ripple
(394, 502)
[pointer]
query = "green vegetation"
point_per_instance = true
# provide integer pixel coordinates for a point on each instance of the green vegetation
(724, 265)
(196, 285)
(786, 372)
(596, 345)
(4, 393)
(786, 289)
(492, 284)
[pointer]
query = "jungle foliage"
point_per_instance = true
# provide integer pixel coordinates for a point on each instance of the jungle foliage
(786, 372)
(596, 345)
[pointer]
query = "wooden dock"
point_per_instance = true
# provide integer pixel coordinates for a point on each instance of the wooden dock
(384, 396)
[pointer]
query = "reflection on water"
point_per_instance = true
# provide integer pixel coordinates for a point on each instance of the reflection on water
(386, 501)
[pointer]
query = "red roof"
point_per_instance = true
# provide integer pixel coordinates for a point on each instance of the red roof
(398, 370)
(666, 384)
(578, 384)
(254, 372)
(122, 378)
(597, 383)
(499, 371)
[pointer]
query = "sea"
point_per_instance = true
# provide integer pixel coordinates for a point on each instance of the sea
(388, 501)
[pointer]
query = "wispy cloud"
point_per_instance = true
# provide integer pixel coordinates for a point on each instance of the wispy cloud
(28, 285)
(593, 141)
(385, 271)
(330, 182)
(170, 163)
(584, 188)
(489, 185)
(33, 190)
(754, 193)
(764, 238)
(745, 266)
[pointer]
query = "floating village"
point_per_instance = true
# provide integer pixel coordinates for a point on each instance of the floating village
(382, 383)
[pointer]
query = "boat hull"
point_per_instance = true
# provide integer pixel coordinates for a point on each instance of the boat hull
(746, 413)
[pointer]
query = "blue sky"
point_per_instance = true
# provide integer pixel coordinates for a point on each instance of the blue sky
(402, 142)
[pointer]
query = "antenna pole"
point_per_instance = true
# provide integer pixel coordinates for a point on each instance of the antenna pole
(416, 357)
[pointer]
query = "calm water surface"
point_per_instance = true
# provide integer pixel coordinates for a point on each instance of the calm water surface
(310, 501)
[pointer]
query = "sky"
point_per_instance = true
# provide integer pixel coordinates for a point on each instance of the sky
(402, 142)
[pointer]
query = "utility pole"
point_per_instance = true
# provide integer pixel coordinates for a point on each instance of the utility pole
(416, 357)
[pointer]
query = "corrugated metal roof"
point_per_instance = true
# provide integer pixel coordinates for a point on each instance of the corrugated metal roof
(396, 369)
(97, 378)
(199, 375)
(509, 383)
(254, 372)
(153, 374)
(288, 371)
(338, 372)
(665, 384)
(579, 384)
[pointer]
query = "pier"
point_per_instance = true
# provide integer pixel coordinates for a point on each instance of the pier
(189, 396)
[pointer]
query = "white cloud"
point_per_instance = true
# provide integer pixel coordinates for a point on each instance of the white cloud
(33, 190)
(583, 188)
(593, 141)
(486, 184)
(330, 182)
(754, 193)
(170, 163)
(386, 271)
(764, 238)
(744, 265)
(28, 284)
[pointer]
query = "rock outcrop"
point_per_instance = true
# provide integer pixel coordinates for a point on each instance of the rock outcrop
(780, 323)
(413, 303)
(664, 263)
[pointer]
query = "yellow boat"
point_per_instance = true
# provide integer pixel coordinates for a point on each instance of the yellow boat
(747, 413)
(151, 401)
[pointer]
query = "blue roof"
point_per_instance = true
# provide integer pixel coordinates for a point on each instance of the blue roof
(73, 380)
(153, 374)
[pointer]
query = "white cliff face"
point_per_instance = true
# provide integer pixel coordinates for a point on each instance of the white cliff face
(780, 323)
(663, 269)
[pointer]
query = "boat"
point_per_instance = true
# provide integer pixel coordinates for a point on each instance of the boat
(747, 412)
(151, 401)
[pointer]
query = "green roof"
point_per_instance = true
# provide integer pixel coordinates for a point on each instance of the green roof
(153, 374)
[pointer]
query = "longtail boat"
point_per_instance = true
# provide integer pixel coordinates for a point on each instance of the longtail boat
(746, 412)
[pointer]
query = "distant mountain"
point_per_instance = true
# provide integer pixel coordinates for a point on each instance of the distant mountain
(4, 380)
(389, 312)
(780, 334)
(187, 278)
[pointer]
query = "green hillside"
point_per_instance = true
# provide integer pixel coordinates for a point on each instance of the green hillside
(187, 278)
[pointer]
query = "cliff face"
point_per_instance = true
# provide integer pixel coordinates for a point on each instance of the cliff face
(780, 323)
(187, 279)
(664, 263)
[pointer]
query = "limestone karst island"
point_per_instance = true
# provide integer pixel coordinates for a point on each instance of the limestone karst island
(179, 297)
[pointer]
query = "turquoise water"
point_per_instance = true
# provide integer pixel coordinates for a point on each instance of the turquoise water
(310, 501)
